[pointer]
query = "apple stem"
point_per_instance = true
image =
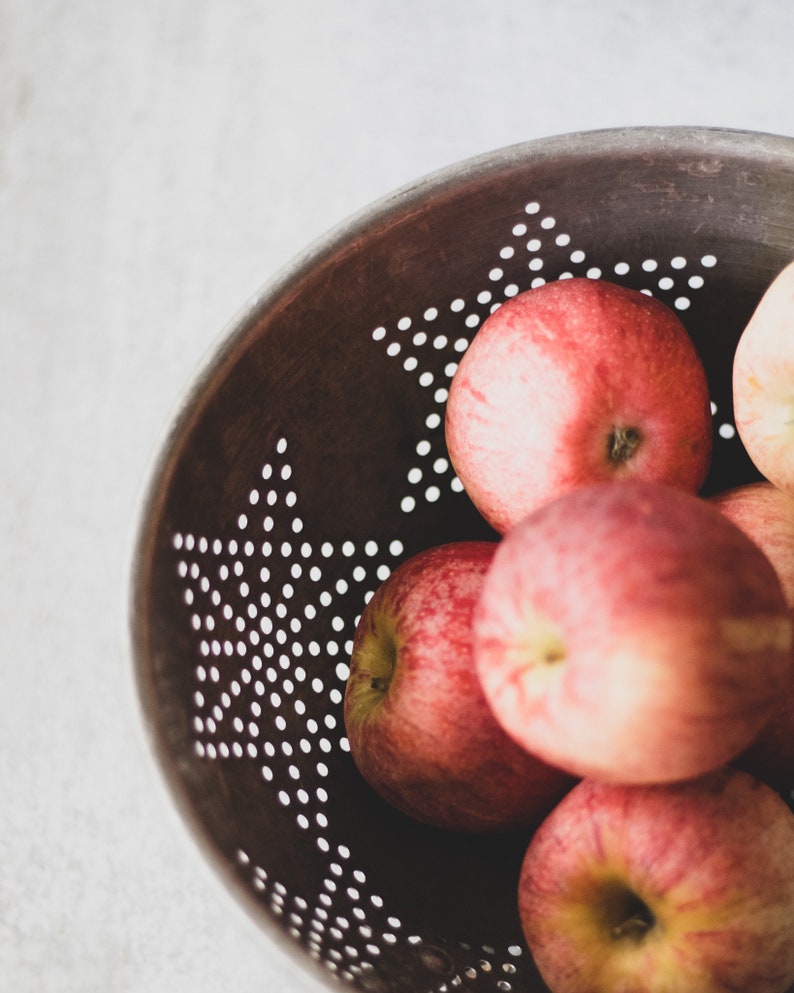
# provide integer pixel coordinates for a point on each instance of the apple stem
(380, 683)
(622, 443)
(626, 916)
(635, 926)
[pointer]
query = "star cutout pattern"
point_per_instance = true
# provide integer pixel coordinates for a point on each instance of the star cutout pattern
(255, 697)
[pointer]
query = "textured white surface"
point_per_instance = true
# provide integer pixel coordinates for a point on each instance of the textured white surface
(159, 160)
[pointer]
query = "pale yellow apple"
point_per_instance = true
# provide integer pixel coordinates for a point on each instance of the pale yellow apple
(763, 383)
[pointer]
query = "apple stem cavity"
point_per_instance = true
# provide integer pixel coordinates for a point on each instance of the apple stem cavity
(383, 662)
(635, 927)
(553, 655)
(628, 916)
(622, 443)
(544, 647)
(376, 661)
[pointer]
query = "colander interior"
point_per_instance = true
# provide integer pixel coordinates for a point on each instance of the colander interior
(309, 459)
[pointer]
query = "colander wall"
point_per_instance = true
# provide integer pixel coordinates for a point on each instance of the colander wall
(308, 459)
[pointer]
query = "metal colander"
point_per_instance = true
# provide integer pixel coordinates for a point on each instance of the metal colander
(309, 459)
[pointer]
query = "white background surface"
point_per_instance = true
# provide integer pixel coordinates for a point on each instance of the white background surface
(159, 160)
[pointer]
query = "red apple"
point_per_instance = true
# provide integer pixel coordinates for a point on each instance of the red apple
(763, 383)
(574, 382)
(677, 888)
(766, 514)
(630, 631)
(420, 730)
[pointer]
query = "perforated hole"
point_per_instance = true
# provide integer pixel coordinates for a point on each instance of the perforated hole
(272, 612)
